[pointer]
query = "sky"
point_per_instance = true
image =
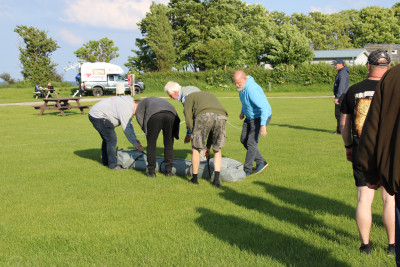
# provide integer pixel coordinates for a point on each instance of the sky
(72, 23)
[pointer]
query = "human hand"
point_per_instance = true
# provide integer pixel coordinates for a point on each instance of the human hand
(241, 116)
(207, 153)
(187, 139)
(336, 101)
(263, 131)
(349, 154)
(139, 147)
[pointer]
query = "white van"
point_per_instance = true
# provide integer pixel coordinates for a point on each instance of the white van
(101, 77)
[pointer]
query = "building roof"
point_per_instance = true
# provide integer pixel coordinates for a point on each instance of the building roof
(341, 53)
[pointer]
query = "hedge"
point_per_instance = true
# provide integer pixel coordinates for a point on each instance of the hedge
(305, 75)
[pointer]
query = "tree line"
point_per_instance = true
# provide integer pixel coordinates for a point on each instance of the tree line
(197, 35)
(215, 34)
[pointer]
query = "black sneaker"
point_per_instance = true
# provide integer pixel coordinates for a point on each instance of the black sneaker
(365, 249)
(151, 174)
(193, 181)
(391, 251)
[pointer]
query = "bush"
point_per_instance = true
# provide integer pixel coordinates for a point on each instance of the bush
(310, 75)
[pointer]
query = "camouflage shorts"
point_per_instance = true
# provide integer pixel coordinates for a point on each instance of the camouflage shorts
(209, 125)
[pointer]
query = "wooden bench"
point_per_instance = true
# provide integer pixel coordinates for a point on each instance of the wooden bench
(61, 104)
(80, 106)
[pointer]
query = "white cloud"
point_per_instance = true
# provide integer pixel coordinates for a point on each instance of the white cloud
(70, 37)
(115, 14)
(325, 10)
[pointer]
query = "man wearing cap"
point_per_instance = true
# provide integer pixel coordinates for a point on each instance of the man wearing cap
(354, 109)
(340, 88)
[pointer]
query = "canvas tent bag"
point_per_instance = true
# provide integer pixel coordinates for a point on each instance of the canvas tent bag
(231, 170)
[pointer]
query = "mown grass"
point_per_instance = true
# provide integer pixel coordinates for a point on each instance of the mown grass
(60, 206)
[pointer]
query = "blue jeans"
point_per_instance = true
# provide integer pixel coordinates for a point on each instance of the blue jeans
(109, 145)
(397, 227)
(249, 138)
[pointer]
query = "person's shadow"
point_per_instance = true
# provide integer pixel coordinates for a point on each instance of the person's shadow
(256, 239)
(300, 128)
(92, 154)
(313, 202)
(302, 219)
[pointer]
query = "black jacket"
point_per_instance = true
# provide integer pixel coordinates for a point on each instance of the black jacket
(152, 105)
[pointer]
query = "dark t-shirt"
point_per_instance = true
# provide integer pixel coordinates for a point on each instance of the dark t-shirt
(356, 102)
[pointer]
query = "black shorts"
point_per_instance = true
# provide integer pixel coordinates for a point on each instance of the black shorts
(359, 175)
(357, 169)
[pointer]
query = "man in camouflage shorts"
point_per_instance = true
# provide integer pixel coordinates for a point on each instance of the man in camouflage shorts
(206, 119)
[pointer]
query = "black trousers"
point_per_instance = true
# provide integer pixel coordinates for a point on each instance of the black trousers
(338, 114)
(161, 121)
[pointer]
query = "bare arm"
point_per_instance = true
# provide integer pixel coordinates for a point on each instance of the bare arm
(345, 124)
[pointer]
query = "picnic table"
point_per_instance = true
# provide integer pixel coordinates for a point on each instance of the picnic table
(51, 92)
(45, 92)
(61, 104)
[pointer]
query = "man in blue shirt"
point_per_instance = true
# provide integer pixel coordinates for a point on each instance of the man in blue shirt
(256, 109)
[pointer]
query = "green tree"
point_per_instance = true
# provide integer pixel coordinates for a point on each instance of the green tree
(232, 35)
(289, 46)
(7, 78)
(324, 31)
(215, 54)
(257, 28)
(343, 29)
(376, 25)
(190, 31)
(158, 35)
(35, 52)
(145, 59)
(98, 51)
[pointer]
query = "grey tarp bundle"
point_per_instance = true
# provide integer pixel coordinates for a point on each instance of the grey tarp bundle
(231, 170)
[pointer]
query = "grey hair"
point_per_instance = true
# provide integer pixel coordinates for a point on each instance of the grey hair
(172, 87)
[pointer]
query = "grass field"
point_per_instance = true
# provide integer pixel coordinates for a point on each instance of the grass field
(60, 206)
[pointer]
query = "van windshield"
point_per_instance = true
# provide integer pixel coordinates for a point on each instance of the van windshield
(119, 78)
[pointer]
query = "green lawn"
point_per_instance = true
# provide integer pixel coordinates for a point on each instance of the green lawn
(60, 206)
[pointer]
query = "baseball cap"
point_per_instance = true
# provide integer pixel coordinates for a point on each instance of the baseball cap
(338, 61)
(374, 57)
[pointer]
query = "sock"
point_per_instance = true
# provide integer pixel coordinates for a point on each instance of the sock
(216, 178)
(194, 179)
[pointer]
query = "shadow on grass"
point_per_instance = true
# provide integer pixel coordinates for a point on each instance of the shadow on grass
(246, 235)
(301, 128)
(313, 202)
(93, 154)
(303, 220)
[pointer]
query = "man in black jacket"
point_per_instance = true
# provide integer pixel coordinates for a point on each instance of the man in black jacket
(153, 115)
